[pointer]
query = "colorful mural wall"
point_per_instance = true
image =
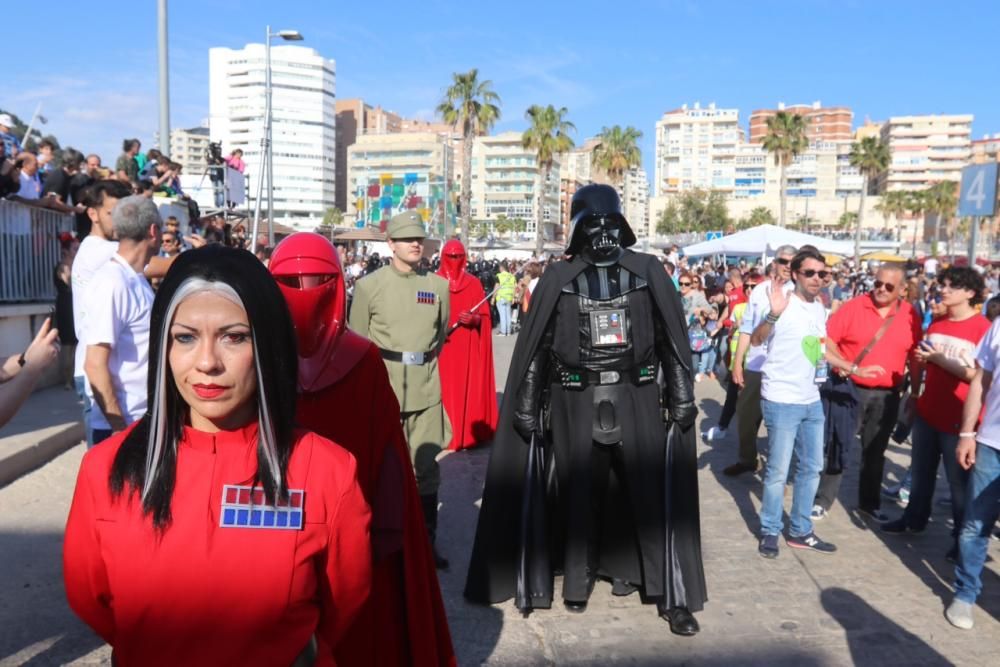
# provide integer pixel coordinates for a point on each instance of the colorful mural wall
(384, 195)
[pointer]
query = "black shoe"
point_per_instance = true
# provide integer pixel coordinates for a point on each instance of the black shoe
(738, 468)
(810, 542)
(574, 607)
(768, 546)
(440, 562)
(898, 527)
(875, 515)
(682, 622)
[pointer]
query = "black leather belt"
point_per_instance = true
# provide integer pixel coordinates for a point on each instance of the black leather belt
(580, 378)
(409, 358)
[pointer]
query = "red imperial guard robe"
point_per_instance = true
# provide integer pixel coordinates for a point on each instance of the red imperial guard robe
(468, 385)
(345, 395)
(211, 590)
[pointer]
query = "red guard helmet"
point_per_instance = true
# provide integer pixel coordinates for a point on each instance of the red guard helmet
(307, 269)
(453, 263)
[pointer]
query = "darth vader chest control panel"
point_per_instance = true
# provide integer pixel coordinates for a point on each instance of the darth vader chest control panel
(608, 327)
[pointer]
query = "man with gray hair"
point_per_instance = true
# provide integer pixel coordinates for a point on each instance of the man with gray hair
(119, 301)
(748, 375)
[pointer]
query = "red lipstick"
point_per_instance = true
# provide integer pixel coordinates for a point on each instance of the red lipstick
(208, 390)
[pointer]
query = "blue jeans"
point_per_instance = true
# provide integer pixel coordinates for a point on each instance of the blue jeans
(799, 429)
(929, 447)
(503, 308)
(705, 360)
(982, 505)
(81, 390)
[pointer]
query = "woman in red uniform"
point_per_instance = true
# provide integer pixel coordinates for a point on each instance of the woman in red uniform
(212, 532)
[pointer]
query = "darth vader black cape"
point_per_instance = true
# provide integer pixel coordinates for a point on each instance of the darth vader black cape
(500, 551)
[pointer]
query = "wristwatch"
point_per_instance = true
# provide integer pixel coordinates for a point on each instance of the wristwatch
(854, 369)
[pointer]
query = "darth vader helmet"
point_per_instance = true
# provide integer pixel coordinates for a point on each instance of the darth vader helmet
(599, 231)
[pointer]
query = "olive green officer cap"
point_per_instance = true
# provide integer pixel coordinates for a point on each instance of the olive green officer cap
(406, 225)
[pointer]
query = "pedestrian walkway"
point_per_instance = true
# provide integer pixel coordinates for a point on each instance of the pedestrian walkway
(47, 424)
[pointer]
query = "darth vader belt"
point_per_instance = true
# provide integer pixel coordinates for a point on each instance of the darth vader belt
(580, 378)
(409, 358)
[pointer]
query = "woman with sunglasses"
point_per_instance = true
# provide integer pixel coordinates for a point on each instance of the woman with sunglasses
(212, 531)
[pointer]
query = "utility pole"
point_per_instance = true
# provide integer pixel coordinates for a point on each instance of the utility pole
(161, 22)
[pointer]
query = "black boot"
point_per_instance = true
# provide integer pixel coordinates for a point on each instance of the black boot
(682, 622)
(429, 503)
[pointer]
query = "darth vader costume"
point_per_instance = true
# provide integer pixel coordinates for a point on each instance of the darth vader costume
(593, 471)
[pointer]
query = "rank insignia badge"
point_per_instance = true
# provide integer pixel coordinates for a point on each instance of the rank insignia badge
(244, 507)
(428, 298)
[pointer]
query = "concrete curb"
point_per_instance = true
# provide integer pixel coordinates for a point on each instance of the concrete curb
(37, 448)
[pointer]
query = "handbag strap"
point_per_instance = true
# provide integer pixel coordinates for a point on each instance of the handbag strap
(878, 334)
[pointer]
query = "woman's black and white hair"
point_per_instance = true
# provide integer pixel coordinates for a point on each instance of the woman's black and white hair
(146, 463)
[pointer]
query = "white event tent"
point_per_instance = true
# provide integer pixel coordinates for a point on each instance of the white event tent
(763, 240)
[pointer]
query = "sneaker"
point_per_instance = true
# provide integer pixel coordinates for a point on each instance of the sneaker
(959, 614)
(698, 377)
(904, 496)
(768, 546)
(715, 433)
(898, 527)
(818, 513)
(892, 492)
(810, 542)
(875, 515)
(738, 468)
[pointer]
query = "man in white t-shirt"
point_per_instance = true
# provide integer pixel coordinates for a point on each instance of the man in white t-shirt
(116, 336)
(748, 377)
(978, 453)
(793, 331)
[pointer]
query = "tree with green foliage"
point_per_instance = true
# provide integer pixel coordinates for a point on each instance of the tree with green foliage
(617, 152)
(893, 205)
(846, 220)
(915, 202)
(502, 225)
(871, 157)
(548, 136)
(694, 211)
(759, 216)
(942, 200)
(786, 138)
(333, 217)
(472, 105)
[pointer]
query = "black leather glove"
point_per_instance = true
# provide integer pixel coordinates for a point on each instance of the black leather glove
(683, 414)
(529, 397)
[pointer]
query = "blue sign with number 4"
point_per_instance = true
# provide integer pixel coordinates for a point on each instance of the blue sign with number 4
(978, 193)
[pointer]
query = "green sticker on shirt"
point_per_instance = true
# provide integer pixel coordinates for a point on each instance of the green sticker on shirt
(812, 349)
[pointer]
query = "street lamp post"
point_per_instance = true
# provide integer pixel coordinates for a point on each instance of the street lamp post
(291, 36)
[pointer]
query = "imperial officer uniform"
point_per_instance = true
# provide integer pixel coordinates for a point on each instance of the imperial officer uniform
(588, 475)
(406, 316)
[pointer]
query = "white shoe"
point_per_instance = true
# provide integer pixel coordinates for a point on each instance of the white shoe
(818, 513)
(959, 614)
(715, 433)
(698, 377)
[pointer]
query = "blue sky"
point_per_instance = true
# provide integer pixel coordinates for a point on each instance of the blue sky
(93, 65)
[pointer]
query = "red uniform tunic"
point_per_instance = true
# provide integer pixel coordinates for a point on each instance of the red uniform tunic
(468, 385)
(205, 594)
(403, 622)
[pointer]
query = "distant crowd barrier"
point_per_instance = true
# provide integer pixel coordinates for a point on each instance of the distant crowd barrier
(29, 251)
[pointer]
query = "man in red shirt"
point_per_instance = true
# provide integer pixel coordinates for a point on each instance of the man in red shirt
(949, 357)
(734, 295)
(877, 376)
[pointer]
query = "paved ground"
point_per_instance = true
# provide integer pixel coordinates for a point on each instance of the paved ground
(878, 601)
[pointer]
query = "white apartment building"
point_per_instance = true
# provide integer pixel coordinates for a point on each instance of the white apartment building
(189, 149)
(303, 129)
(634, 194)
(696, 148)
(506, 180)
(392, 173)
(925, 150)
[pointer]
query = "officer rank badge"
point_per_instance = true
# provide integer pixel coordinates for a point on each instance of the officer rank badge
(244, 507)
(428, 298)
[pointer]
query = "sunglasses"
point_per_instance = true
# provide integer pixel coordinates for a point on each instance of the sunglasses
(889, 287)
(782, 261)
(685, 283)
(809, 273)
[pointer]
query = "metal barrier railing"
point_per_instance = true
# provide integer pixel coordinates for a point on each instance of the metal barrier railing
(29, 251)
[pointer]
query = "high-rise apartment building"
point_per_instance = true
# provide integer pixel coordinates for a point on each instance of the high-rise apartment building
(925, 150)
(506, 180)
(696, 148)
(303, 128)
(634, 193)
(354, 119)
(822, 123)
(397, 172)
(189, 149)
(986, 149)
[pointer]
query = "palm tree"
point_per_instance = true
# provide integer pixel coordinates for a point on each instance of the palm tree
(894, 204)
(617, 152)
(871, 157)
(471, 104)
(548, 136)
(786, 138)
(942, 200)
(916, 203)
